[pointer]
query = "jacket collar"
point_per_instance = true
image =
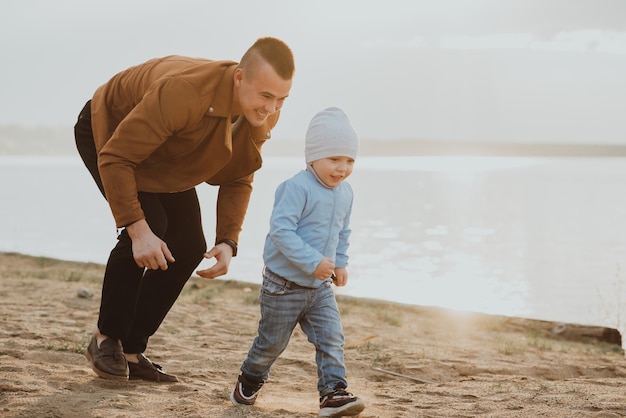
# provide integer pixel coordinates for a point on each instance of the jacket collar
(311, 170)
(223, 98)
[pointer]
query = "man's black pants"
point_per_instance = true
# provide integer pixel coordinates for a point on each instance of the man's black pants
(135, 302)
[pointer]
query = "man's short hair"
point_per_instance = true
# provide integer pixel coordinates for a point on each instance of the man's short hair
(273, 51)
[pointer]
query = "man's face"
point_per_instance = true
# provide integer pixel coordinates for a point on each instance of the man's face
(260, 94)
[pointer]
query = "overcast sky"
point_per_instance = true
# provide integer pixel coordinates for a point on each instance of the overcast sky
(494, 70)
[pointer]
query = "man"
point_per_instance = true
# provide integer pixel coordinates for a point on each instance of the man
(148, 137)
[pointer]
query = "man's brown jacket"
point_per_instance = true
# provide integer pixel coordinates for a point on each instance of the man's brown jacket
(165, 126)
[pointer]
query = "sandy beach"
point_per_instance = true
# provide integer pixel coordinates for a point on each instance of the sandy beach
(404, 361)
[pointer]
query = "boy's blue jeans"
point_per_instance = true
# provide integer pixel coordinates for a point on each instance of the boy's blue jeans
(283, 306)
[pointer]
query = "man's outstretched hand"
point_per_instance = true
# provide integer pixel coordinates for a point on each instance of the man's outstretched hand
(222, 253)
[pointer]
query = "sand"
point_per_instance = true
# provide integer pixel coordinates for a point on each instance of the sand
(404, 361)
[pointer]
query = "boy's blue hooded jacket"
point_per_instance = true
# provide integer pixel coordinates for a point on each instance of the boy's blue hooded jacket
(309, 221)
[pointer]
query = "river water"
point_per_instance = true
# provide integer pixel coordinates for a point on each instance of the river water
(542, 238)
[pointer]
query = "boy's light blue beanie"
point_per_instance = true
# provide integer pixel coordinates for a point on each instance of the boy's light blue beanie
(330, 134)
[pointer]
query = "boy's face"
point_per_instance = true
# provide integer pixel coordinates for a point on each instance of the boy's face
(333, 170)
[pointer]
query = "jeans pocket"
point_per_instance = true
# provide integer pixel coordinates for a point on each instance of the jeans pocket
(270, 287)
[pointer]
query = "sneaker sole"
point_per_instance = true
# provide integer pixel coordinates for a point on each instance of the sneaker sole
(350, 409)
(102, 374)
(234, 401)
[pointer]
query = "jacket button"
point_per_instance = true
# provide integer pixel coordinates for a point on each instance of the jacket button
(267, 134)
(211, 110)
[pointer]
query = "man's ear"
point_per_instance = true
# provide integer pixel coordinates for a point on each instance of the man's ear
(238, 76)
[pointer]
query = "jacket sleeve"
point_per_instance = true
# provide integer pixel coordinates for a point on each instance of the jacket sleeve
(341, 258)
(234, 197)
(289, 205)
(232, 205)
(164, 109)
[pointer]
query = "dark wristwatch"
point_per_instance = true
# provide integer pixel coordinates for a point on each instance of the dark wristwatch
(232, 244)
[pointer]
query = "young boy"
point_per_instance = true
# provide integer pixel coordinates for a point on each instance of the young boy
(305, 251)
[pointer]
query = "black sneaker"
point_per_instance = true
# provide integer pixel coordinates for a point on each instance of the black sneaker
(340, 403)
(244, 394)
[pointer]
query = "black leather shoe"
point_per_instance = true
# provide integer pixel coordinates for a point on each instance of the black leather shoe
(108, 360)
(147, 370)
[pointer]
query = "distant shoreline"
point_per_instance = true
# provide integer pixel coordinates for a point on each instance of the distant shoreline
(59, 140)
(443, 148)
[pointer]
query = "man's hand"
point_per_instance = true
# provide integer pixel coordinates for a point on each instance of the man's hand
(324, 269)
(149, 251)
(222, 253)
